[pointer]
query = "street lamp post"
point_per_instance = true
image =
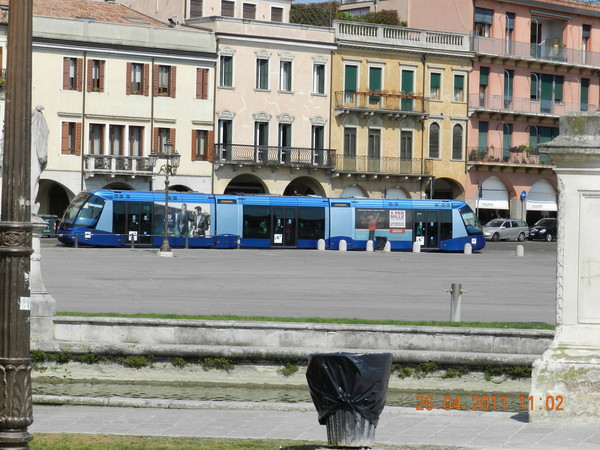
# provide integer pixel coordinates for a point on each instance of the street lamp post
(16, 407)
(169, 169)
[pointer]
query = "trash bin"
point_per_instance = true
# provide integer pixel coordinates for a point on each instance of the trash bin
(380, 242)
(349, 392)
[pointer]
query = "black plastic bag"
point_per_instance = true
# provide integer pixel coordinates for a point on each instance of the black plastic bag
(354, 382)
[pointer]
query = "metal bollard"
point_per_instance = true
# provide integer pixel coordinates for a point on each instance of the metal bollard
(239, 243)
(416, 247)
(343, 245)
(76, 241)
(187, 240)
(456, 292)
(132, 241)
(520, 250)
(369, 246)
(468, 249)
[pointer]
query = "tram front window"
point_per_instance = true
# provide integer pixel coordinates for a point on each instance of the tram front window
(84, 211)
(470, 220)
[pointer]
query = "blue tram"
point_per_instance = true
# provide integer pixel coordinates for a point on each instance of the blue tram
(116, 218)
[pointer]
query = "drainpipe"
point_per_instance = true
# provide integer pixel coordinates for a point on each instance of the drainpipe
(423, 61)
(151, 93)
(83, 89)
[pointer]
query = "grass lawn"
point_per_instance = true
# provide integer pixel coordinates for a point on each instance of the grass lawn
(341, 321)
(45, 441)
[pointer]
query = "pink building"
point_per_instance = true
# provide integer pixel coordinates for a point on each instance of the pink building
(534, 61)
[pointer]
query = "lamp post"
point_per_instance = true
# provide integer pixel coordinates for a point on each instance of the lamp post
(16, 407)
(169, 169)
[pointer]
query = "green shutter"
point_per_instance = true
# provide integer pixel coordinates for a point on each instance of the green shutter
(436, 80)
(483, 135)
(585, 86)
(374, 79)
(459, 82)
(407, 81)
(350, 78)
(484, 76)
(558, 88)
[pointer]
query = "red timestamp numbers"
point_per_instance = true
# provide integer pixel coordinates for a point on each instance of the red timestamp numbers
(477, 403)
(488, 403)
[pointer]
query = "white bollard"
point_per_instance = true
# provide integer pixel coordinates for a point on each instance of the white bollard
(416, 247)
(369, 246)
(343, 245)
(388, 247)
(520, 250)
(321, 244)
(468, 249)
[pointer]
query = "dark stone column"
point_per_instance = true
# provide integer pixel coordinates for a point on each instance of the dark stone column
(16, 410)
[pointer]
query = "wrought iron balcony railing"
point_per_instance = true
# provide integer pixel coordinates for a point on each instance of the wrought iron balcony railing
(521, 155)
(525, 105)
(380, 102)
(274, 156)
(117, 165)
(549, 50)
(379, 165)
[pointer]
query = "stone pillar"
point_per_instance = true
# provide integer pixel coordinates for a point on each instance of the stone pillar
(566, 380)
(43, 305)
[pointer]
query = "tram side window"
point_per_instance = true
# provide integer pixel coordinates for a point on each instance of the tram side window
(257, 222)
(119, 218)
(445, 225)
(311, 223)
(90, 213)
(470, 220)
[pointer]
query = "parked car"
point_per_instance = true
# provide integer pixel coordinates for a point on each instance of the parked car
(544, 229)
(505, 229)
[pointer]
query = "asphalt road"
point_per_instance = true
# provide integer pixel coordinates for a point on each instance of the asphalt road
(306, 283)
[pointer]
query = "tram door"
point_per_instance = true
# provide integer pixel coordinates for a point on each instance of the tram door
(139, 222)
(427, 229)
(284, 227)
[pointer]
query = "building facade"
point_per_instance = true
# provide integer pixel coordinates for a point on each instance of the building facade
(115, 88)
(399, 112)
(272, 107)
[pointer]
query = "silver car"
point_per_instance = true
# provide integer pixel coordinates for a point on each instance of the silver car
(497, 229)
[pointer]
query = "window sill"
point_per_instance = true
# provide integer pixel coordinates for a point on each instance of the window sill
(285, 92)
(262, 90)
(229, 88)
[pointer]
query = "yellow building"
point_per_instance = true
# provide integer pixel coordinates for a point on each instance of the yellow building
(399, 112)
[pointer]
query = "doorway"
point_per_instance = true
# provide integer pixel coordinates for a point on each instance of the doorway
(284, 227)
(426, 229)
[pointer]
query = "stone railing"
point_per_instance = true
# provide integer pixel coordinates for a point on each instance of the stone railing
(400, 36)
(119, 165)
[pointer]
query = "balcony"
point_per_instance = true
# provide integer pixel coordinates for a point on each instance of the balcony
(264, 155)
(116, 165)
(369, 165)
(519, 105)
(369, 34)
(551, 50)
(514, 156)
(394, 105)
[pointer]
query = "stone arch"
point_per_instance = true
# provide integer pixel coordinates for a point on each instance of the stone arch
(246, 184)
(118, 186)
(396, 192)
(447, 189)
(54, 197)
(353, 191)
(304, 186)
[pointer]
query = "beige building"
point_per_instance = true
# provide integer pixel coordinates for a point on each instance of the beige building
(272, 107)
(116, 86)
(399, 112)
